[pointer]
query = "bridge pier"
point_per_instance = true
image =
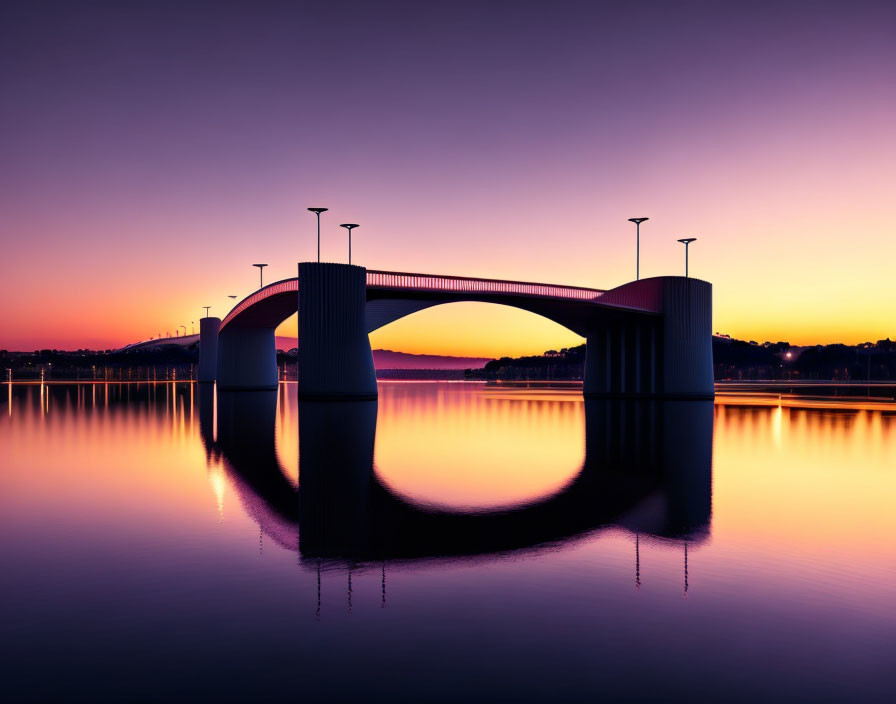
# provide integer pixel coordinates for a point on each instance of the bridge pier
(208, 348)
(247, 358)
(335, 360)
(664, 355)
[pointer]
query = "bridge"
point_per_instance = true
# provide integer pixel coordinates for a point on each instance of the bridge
(645, 339)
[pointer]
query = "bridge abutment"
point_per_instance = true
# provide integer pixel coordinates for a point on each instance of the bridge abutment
(335, 360)
(208, 348)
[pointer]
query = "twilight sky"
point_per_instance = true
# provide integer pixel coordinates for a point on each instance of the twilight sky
(150, 152)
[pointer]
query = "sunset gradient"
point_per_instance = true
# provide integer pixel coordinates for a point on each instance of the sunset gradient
(150, 153)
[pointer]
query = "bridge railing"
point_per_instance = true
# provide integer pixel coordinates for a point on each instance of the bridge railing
(458, 284)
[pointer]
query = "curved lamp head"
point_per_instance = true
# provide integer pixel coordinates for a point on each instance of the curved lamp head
(349, 226)
(232, 295)
(637, 221)
(688, 240)
(318, 210)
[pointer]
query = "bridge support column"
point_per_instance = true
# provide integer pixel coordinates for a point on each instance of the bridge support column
(247, 358)
(335, 361)
(208, 348)
(664, 355)
(687, 370)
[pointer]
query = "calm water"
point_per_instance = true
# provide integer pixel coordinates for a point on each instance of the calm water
(450, 541)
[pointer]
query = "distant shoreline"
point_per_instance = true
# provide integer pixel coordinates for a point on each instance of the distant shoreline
(752, 385)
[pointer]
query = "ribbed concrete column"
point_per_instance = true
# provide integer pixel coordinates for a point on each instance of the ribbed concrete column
(247, 358)
(208, 348)
(335, 361)
(638, 360)
(687, 338)
(623, 358)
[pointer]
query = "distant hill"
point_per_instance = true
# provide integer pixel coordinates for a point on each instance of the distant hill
(382, 359)
(387, 359)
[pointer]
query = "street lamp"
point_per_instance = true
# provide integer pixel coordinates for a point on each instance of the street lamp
(185, 329)
(349, 226)
(260, 271)
(318, 211)
(686, 242)
(192, 327)
(637, 222)
(206, 310)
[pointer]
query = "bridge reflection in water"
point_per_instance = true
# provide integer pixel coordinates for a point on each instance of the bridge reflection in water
(647, 468)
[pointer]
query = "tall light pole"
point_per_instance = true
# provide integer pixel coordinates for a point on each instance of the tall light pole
(637, 222)
(192, 327)
(260, 270)
(185, 329)
(686, 242)
(318, 211)
(349, 226)
(206, 310)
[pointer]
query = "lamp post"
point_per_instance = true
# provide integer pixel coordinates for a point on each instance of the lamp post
(206, 312)
(260, 271)
(637, 222)
(192, 327)
(318, 211)
(686, 242)
(349, 226)
(185, 330)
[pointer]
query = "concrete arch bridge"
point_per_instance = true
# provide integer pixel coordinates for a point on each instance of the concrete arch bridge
(645, 339)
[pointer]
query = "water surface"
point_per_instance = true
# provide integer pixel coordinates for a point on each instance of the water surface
(450, 541)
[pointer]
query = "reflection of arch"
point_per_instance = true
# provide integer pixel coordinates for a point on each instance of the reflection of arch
(647, 467)
(647, 338)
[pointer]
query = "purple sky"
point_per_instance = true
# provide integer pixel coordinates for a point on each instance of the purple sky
(149, 152)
